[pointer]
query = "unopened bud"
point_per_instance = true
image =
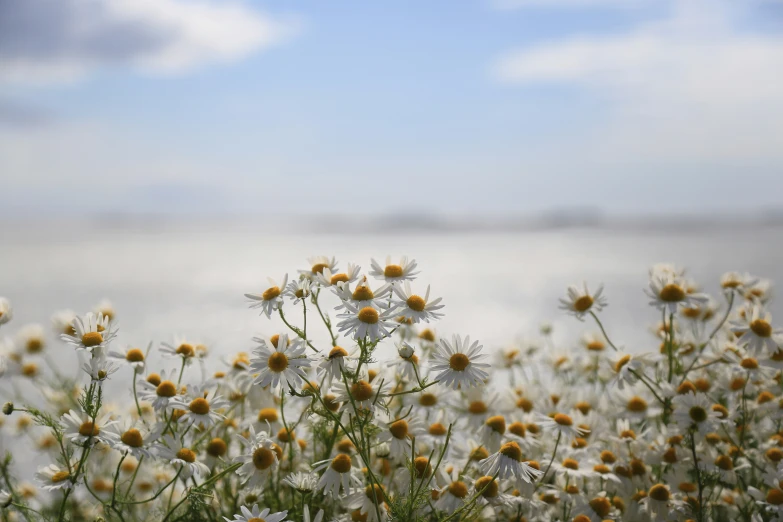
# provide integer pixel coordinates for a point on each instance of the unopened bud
(8, 408)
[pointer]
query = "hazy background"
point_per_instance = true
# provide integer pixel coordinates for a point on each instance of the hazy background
(172, 154)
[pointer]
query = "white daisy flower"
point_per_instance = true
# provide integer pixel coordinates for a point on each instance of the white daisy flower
(397, 434)
(363, 393)
(318, 264)
(414, 307)
(282, 364)
(560, 424)
(757, 332)
(259, 458)
(365, 322)
(404, 271)
(579, 301)
(62, 322)
(52, 477)
(90, 332)
(32, 338)
(256, 514)
(182, 457)
(337, 472)
(507, 463)
(362, 296)
(301, 481)
(330, 277)
(99, 368)
(133, 357)
(694, 411)
(669, 292)
(458, 364)
(159, 389)
(134, 438)
(271, 298)
(180, 348)
(334, 364)
(200, 406)
(6, 311)
(452, 497)
(80, 428)
(298, 290)
(370, 502)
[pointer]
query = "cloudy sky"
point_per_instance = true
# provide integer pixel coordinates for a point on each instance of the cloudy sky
(468, 107)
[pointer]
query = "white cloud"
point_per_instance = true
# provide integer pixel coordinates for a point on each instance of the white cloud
(61, 40)
(689, 87)
(579, 4)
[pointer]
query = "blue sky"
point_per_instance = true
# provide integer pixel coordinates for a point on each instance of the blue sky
(468, 107)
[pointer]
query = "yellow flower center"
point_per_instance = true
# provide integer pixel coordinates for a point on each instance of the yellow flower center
(497, 424)
(477, 407)
(416, 303)
(267, 414)
(134, 355)
(337, 352)
(563, 419)
(458, 489)
(88, 429)
(35, 344)
(697, 414)
(601, 506)
(341, 463)
(187, 455)
(583, 304)
(185, 350)
(422, 467)
(659, 492)
(271, 293)
(458, 362)
(437, 429)
(775, 497)
(428, 399)
(393, 271)
(91, 339)
(256, 519)
(132, 438)
(362, 293)
(60, 476)
(488, 486)
(166, 389)
(517, 428)
(399, 429)
(217, 447)
(511, 450)
(318, 268)
(672, 293)
(153, 379)
(761, 328)
(339, 278)
(263, 458)
(361, 391)
(199, 406)
(277, 362)
(749, 363)
(374, 493)
(637, 405)
(368, 315)
(625, 359)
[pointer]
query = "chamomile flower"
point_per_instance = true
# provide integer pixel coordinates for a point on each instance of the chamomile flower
(134, 438)
(579, 301)
(270, 299)
(182, 457)
(53, 477)
(6, 311)
(159, 389)
(370, 502)
(458, 363)
(757, 332)
(366, 322)
(260, 456)
(318, 264)
(560, 424)
(414, 307)
(693, 411)
(507, 463)
(298, 290)
(62, 322)
(301, 481)
(669, 292)
(398, 434)
(31, 338)
(255, 514)
(91, 332)
(99, 368)
(181, 348)
(331, 278)
(284, 363)
(81, 429)
(363, 393)
(338, 472)
(133, 357)
(452, 497)
(391, 273)
(201, 407)
(363, 295)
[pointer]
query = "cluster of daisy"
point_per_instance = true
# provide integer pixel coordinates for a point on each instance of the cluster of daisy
(351, 408)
